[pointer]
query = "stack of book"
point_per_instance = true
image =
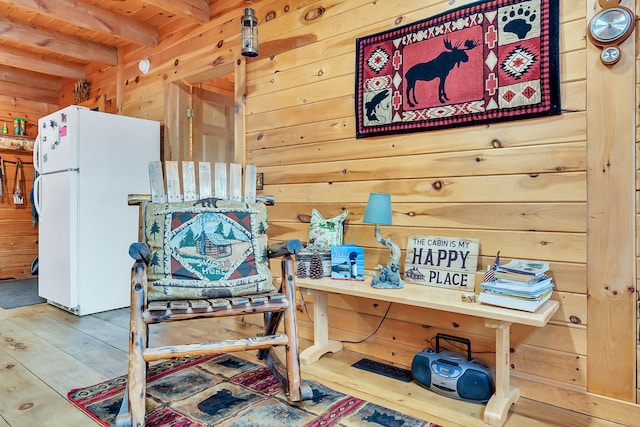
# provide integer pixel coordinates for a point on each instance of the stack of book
(520, 284)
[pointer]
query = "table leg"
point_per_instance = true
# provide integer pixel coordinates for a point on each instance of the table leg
(505, 395)
(321, 342)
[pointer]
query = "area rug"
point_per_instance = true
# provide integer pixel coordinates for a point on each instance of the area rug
(19, 293)
(485, 62)
(224, 390)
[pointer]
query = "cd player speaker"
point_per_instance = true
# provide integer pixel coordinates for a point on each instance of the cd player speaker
(450, 374)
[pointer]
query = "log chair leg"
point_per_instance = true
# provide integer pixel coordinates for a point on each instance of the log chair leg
(269, 355)
(271, 323)
(139, 330)
(292, 357)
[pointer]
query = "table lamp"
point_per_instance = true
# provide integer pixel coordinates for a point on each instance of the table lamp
(378, 212)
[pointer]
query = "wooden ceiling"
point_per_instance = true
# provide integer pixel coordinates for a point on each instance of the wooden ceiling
(43, 42)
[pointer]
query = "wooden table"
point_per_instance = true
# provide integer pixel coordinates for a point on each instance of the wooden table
(434, 298)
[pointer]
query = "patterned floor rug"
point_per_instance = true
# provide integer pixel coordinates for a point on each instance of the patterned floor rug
(226, 391)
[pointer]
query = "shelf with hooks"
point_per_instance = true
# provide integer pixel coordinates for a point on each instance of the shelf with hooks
(16, 142)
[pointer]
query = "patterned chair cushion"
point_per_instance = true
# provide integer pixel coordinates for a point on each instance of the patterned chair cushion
(207, 249)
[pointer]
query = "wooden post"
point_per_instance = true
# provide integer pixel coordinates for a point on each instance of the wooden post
(505, 395)
(611, 246)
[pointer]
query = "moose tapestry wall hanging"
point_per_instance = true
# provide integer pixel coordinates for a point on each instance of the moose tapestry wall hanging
(485, 62)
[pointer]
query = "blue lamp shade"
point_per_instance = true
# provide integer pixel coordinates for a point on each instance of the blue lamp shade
(378, 209)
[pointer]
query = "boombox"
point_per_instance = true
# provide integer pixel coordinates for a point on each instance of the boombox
(450, 374)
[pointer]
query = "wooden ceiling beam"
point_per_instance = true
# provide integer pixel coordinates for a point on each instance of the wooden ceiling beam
(30, 78)
(14, 90)
(56, 42)
(90, 17)
(12, 107)
(18, 58)
(198, 9)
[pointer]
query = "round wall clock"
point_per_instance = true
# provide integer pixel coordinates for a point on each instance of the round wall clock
(610, 27)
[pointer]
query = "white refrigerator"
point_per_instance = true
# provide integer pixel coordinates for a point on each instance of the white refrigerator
(87, 163)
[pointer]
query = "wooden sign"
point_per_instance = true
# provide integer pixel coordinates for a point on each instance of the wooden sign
(442, 261)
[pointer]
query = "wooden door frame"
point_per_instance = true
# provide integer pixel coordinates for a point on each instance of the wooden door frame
(175, 102)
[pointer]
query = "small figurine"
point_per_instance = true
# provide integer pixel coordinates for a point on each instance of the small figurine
(389, 276)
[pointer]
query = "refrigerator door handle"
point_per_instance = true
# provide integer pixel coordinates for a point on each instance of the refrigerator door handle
(36, 154)
(37, 184)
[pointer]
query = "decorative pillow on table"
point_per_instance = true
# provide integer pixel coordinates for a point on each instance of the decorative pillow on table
(208, 248)
(324, 233)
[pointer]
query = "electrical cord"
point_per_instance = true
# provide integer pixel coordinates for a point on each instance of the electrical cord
(374, 332)
(384, 317)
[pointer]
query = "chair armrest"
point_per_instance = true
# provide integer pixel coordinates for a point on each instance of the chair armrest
(288, 247)
(139, 251)
(138, 199)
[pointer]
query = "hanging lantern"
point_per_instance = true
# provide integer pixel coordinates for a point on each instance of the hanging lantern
(249, 33)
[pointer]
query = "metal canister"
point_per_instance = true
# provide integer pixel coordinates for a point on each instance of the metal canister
(16, 126)
(23, 126)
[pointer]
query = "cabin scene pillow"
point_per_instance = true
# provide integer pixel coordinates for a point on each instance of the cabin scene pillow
(208, 248)
(325, 233)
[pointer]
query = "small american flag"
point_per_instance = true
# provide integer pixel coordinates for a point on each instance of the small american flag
(491, 271)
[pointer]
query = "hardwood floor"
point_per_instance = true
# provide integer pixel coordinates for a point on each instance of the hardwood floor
(45, 352)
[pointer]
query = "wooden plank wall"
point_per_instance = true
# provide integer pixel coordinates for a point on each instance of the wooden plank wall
(18, 235)
(520, 187)
(12, 105)
(524, 195)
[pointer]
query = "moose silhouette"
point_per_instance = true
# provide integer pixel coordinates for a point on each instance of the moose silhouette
(437, 68)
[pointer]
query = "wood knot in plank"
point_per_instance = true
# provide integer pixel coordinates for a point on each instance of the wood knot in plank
(438, 185)
(611, 292)
(304, 218)
(314, 13)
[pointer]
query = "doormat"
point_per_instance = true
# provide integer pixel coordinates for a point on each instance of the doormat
(19, 293)
(224, 390)
(384, 369)
(489, 61)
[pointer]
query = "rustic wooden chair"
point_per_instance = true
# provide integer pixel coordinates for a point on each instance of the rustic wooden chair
(158, 273)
